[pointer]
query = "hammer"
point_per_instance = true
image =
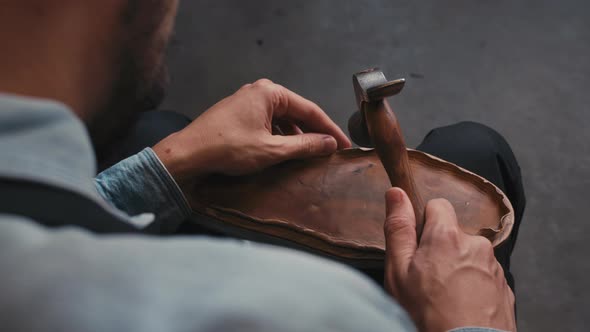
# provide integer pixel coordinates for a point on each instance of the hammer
(375, 125)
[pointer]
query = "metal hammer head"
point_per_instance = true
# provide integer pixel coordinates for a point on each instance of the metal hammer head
(369, 86)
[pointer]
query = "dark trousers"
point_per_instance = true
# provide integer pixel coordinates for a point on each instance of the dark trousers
(470, 145)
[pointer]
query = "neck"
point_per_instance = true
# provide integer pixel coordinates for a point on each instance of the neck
(51, 53)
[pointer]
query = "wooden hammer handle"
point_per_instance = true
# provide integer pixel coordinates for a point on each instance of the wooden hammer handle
(388, 141)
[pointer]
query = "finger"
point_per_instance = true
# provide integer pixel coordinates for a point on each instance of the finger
(440, 222)
(306, 113)
(400, 232)
(304, 146)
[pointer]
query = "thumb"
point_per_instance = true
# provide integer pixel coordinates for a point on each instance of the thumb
(400, 232)
(306, 145)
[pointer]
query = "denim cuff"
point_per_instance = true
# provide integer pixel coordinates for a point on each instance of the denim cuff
(475, 329)
(141, 184)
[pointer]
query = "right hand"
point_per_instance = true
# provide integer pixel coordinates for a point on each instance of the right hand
(449, 279)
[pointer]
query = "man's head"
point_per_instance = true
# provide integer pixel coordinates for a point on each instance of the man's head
(103, 58)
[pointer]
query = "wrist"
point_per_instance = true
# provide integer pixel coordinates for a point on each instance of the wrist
(184, 165)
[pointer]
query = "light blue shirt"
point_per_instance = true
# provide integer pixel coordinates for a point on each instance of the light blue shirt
(68, 279)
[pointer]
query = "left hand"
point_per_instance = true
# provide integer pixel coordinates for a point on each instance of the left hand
(235, 136)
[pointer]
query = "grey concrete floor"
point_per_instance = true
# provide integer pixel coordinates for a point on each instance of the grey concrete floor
(521, 67)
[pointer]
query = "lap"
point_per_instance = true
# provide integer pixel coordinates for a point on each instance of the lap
(470, 145)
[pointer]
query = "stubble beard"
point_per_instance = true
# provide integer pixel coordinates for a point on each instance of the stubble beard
(141, 81)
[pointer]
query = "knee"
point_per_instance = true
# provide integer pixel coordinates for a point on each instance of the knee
(470, 130)
(478, 148)
(477, 128)
(471, 139)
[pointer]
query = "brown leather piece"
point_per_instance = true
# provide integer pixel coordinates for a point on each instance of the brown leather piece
(335, 205)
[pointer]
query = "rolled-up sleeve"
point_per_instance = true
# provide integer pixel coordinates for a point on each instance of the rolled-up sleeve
(141, 184)
(475, 329)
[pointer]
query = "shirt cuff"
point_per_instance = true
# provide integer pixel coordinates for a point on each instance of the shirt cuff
(475, 329)
(141, 184)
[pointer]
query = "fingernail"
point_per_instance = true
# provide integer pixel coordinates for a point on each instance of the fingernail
(330, 144)
(392, 199)
(394, 195)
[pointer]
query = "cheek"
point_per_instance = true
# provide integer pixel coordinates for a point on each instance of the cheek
(161, 38)
(152, 28)
(170, 18)
(166, 26)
